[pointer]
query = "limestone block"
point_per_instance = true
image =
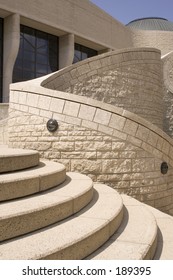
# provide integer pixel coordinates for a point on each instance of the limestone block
(32, 100)
(105, 129)
(72, 120)
(93, 146)
(116, 166)
(143, 165)
(63, 146)
(44, 102)
(152, 139)
(142, 133)
(14, 96)
(23, 97)
(34, 111)
(120, 135)
(102, 117)
(74, 73)
(127, 154)
(42, 146)
(78, 155)
(52, 155)
(96, 64)
(71, 109)
(57, 105)
(86, 166)
(107, 155)
(109, 177)
(130, 127)
(118, 145)
(134, 141)
(117, 122)
(87, 112)
(58, 117)
(166, 147)
(83, 69)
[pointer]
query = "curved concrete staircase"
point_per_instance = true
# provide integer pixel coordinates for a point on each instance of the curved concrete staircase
(46, 213)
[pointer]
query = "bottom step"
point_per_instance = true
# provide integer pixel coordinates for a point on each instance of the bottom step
(135, 239)
(75, 237)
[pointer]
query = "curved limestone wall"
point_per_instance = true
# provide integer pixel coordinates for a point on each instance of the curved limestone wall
(108, 143)
(163, 40)
(130, 79)
(168, 93)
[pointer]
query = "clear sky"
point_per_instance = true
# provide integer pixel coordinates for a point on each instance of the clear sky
(128, 10)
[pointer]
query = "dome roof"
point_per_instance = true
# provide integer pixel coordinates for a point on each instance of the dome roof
(151, 23)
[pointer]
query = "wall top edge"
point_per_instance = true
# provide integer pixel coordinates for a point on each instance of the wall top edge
(96, 58)
(38, 90)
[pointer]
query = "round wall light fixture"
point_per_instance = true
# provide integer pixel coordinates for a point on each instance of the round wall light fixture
(164, 168)
(52, 125)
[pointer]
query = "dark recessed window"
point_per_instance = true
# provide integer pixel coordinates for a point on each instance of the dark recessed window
(1, 56)
(37, 56)
(82, 52)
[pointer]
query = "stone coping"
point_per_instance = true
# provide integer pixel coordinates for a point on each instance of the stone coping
(87, 112)
(94, 63)
(34, 88)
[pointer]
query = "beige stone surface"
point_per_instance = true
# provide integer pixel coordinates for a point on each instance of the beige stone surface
(89, 125)
(122, 82)
(83, 145)
(18, 184)
(22, 216)
(11, 160)
(73, 239)
(134, 239)
(165, 239)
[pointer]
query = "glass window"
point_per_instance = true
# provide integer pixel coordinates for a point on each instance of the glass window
(1, 56)
(37, 56)
(82, 52)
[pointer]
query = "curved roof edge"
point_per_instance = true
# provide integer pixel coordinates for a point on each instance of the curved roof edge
(151, 23)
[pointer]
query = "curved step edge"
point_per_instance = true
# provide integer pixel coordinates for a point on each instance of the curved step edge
(17, 159)
(129, 242)
(38, 211)
(26, 182)
(75, 237)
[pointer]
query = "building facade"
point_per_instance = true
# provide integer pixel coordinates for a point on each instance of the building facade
(41, 37)
(109, 86)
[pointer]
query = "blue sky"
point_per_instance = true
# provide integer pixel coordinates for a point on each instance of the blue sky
(127, 10)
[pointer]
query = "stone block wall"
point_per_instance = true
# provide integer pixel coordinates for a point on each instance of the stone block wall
(109, 144)
(131, 79)
(4, 132)
(168, 93)
(4, 110)
(3, 123)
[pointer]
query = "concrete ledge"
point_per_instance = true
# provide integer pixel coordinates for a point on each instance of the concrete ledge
(26, 215)
(76, 237)
(136, 238)
(17, 159)
(22, 183)
(164, 249)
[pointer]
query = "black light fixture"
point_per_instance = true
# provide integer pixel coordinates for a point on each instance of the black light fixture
(164, 168)
(52, 125)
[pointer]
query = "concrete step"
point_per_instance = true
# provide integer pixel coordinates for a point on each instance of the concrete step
(32, 180)
(26, 215)
(17, 159)
(164, 249)
(75, 237)
(135, 239)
